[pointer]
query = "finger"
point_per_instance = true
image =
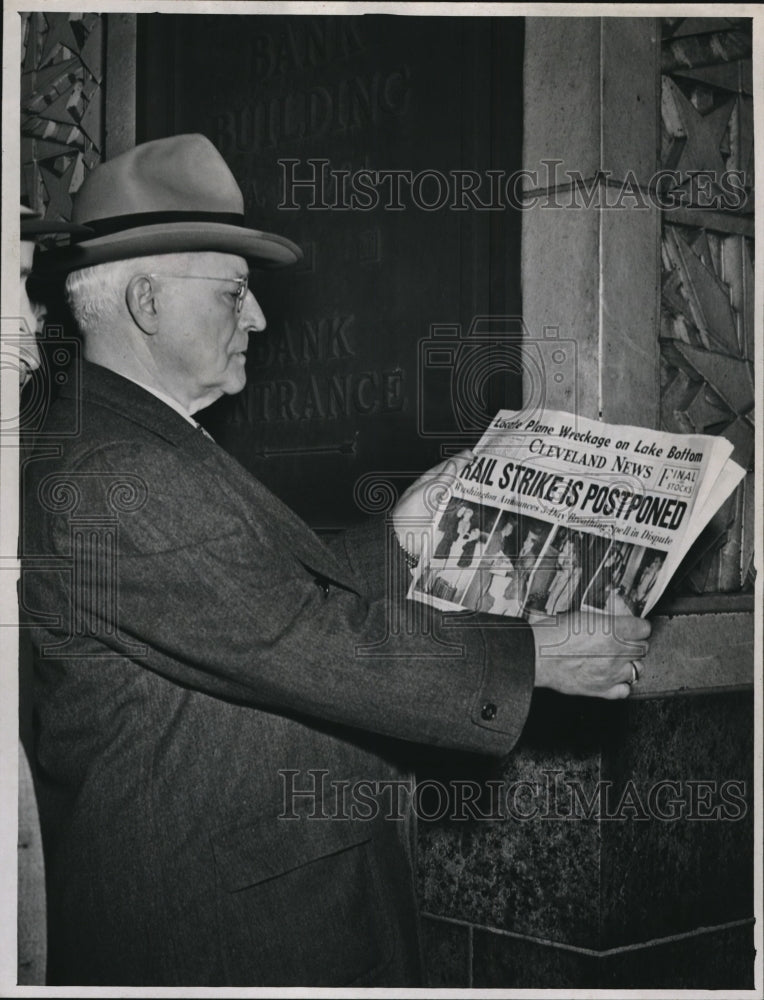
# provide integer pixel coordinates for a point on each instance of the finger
(618, 691)
(631, 636)
(645, 628)
(628, 674)
(631, 628)
(453, 465)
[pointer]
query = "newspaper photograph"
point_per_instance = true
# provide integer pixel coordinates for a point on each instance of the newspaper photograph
(559, 513)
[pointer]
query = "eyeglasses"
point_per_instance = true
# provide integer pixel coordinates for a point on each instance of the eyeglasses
(242, 284)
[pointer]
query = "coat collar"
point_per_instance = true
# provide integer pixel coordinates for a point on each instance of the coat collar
(131, 401)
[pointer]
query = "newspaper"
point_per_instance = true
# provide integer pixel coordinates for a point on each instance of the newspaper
(558, 513)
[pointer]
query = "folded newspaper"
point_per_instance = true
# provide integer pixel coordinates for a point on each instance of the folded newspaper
(558, 513)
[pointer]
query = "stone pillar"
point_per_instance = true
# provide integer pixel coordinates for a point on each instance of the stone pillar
(591, 134)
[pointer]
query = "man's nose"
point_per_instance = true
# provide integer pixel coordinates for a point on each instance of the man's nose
(252, 318)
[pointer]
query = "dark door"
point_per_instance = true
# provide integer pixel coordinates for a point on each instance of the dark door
(378, 117)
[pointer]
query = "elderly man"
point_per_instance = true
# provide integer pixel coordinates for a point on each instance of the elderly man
(222, 707)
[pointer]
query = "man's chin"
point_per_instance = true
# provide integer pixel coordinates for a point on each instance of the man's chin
(234, 384)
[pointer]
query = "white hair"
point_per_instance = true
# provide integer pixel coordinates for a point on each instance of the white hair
(96, 295)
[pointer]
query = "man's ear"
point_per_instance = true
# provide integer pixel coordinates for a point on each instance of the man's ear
(140, 296)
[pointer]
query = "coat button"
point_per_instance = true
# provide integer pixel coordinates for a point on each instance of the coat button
(488, 711)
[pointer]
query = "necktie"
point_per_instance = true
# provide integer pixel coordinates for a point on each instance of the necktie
(205, 432)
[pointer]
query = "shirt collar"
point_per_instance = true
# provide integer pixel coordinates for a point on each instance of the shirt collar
(178, 407)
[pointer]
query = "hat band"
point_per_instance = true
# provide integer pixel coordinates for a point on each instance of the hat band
(120, 223)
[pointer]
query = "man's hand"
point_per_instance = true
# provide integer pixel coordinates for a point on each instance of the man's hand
(589, 654)
(425, 500)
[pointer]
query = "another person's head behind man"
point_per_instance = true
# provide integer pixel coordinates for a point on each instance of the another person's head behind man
(31, 310)
(30, 318)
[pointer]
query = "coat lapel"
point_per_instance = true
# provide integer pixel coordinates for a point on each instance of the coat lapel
(293, 533)
(136, 405)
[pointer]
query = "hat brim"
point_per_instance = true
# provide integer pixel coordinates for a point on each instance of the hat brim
(31, 228)
(263, 249)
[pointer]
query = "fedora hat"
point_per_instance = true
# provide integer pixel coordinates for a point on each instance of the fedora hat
(166, 196)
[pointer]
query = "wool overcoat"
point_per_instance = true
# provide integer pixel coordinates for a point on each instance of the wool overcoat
(223, 703)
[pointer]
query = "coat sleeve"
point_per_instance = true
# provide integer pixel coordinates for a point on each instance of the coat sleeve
(205, 592)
